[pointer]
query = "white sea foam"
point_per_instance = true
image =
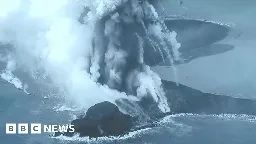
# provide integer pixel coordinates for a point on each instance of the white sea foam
(168, 123)
(237, 117)
(130, 135)
(9, 77)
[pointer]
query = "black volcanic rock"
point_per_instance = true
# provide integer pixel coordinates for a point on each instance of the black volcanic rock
(102, 119)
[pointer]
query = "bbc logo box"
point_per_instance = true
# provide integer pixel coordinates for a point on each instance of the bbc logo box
(23, 128)
(10, 128)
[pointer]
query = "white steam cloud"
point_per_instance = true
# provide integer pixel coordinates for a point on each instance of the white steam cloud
(78, 45)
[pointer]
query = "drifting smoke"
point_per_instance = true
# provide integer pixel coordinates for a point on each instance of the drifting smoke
(83, 46)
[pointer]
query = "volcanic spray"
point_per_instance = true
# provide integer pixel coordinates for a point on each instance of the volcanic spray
(91, 50)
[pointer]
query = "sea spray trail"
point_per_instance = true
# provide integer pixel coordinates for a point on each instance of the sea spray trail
(87, 59)
(170, 123)
(8, 75)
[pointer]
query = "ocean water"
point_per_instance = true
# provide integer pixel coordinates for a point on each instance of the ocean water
(230, 73)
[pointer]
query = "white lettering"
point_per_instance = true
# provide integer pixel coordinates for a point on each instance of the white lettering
(47, 128)
(72, 128)
(63, 128)
(54, 128)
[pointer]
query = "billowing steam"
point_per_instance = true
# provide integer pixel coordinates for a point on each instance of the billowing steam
(87, 48)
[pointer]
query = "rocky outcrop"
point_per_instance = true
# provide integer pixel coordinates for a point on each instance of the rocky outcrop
(105, 119)
(102, 119)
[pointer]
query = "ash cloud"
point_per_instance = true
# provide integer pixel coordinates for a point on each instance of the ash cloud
(94, 49)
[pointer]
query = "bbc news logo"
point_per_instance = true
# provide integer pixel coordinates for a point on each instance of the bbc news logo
(36, 128)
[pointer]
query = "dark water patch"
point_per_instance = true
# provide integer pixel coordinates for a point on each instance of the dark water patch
(8, 95)
(5, 103)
